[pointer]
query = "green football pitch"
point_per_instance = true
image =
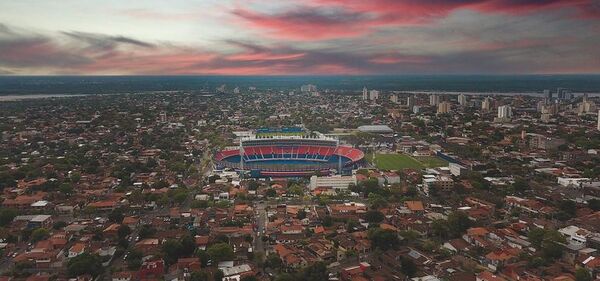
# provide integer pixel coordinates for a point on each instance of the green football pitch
(403, 161)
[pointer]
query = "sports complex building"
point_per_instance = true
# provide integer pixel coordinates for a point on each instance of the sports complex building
(269, 154)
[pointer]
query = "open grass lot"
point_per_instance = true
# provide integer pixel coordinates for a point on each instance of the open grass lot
(402, 161)
(432, 161)
(396, 162)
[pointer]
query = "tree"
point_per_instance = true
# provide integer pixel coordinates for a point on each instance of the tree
(352, 225)
(301, 214)
(146, 231)
(355, 188)
(520, 185)
(116, 216)
(383, 238)
(249, 278)
(536, 236)
(582, 274)
(75, 177)
(458, 223)
(134, 259)
(568, 209)
(408, 267)
(85, 263)
(594, 204)
(188, 244)
(253, 185)
(551, 245)
(219, 275)
(173, 250)
(179, 197)
(199, 276)
(273, 261)
(440, 228)
(59, 224)
(39, 234)
(327, 221)
(203, 256)
(271, 192)
(66, 188)
(220, 252)
(6, 216)
(374, 216)
(315, 272)
(123, 231)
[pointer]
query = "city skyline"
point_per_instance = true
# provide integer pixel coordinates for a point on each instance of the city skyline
(299, 37)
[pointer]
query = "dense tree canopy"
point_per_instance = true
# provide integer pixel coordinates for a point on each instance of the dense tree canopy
(85, 263)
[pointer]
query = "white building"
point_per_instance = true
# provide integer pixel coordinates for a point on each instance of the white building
(394, 98)
(434, 100)
(462, 99)
(410, 102)
(309, 88)
(577, 182)
(486, 104)
(337, 182)
(504, 112)
(575, 235)
(374, 95)
(416, 109)
(457, 170)
(365, 94)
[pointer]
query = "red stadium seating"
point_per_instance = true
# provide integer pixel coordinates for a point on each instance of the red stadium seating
(312, 152)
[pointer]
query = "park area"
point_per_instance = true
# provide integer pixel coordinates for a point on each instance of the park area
(403, 161)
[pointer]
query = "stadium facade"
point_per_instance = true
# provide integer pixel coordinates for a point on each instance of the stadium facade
(289, 156)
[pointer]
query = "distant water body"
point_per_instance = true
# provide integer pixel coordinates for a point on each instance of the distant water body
(499, 84)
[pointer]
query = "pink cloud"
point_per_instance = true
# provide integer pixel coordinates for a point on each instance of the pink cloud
(263, 56)
(306, 25)
(336, 19)
(396, 59)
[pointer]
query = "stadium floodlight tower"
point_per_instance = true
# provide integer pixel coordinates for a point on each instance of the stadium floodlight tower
(337, 144)
(241, 160)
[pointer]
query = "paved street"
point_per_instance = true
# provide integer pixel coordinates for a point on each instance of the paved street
(261, 221)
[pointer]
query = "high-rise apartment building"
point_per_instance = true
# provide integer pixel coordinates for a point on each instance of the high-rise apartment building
(373, 95)
(434, 100)
(462, 99)
(444, 107)
(504, 112)
(486, 104)
(410, 102)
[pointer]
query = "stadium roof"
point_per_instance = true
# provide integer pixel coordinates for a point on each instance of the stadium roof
(375, 129)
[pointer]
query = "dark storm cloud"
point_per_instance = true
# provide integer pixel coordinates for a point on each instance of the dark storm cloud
(34, 50)
(104, 41)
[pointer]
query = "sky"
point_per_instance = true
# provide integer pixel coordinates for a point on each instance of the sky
(299, 37)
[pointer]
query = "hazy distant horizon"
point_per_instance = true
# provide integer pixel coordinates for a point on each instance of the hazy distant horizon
(93, 84)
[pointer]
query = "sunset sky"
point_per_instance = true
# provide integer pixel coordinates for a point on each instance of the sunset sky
(288, 37)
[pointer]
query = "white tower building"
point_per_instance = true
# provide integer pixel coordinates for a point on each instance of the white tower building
(462, 99)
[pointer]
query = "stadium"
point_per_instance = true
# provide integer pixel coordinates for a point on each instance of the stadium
(289, 155)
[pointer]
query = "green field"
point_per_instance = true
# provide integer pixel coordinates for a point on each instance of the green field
(403, 161)
(432, 161)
